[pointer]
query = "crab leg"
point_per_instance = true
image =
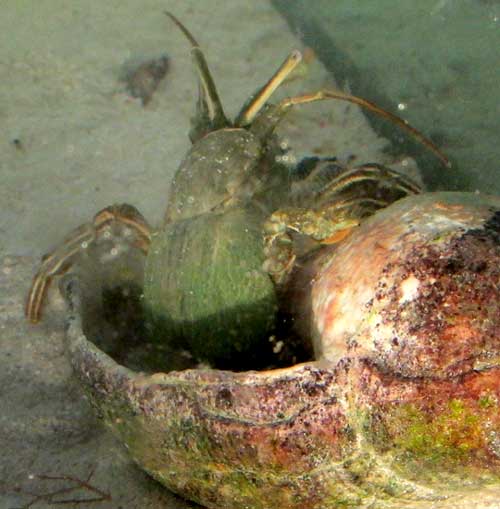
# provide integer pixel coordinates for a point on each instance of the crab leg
(60, 259)
(323, 95)
(326, 226)
(336, 209)
(327, 181)
(374, 172)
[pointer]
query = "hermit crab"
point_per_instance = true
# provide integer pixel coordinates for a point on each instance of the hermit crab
(397, 292)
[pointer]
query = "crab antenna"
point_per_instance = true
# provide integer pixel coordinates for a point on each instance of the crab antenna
(333, 94)
(210, 111)
(250, 111)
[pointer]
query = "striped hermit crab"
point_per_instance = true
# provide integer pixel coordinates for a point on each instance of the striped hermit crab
(401, 402)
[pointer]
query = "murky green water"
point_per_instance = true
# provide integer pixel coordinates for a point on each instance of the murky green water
(436, 61)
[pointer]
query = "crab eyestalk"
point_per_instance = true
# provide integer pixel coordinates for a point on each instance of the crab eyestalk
(209, 113)
(257, 102)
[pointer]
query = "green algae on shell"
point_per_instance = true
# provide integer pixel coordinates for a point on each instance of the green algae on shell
(375, 422)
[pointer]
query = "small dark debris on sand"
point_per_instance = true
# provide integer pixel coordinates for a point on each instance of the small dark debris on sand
(142, 79)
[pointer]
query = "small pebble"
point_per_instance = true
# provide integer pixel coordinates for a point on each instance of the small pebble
(143, 79)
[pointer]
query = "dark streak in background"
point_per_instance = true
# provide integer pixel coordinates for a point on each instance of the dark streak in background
(330, 52)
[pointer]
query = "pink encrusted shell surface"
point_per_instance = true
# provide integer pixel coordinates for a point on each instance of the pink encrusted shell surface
(401, 406)
(415, 289)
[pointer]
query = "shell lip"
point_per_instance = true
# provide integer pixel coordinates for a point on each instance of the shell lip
(89, 361)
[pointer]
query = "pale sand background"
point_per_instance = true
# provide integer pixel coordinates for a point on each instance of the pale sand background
(86, 144)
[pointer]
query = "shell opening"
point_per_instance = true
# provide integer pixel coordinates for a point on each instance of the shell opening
(113, 317)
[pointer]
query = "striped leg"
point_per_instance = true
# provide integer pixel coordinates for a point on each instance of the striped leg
(57, 262)
(318, 226)
(331, 201)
